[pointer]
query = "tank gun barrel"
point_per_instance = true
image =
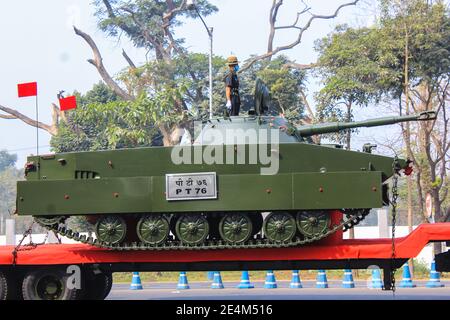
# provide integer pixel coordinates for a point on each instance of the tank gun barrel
(330, 127)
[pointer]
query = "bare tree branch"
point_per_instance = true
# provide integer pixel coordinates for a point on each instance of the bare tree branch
(7, 116)
(98, 63)
(309, 111)
(297, 41)
(294, 25)
(130, 62)
(53, 130)
(272, 20)
(300, 66)
(168, 16)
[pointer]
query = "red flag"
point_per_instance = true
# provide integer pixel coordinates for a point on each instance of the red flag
(27, 89)
(68, 103)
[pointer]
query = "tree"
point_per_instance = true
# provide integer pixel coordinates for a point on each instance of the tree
(352, 74)
(150, 25)
(286, 86)
(295, 25)
(421, 30)
(7, 159)
(9, 176)
(403, 60)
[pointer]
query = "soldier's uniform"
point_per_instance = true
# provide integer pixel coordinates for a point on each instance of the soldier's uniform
(232, 87)
(232, 81)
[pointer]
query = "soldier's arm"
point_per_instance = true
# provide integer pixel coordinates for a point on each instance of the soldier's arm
(228, 92)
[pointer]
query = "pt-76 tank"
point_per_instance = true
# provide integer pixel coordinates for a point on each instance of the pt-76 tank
(250, 181)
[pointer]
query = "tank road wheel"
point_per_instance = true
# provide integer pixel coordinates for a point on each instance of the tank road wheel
(279, 227)
(49, 284)
(111, 229)
(153, 229)
(313, 223)
(235, 227)
(192, 229)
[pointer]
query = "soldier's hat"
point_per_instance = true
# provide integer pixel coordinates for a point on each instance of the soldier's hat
(232, 60)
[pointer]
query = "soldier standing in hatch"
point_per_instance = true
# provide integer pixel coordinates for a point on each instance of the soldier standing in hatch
(232, 87)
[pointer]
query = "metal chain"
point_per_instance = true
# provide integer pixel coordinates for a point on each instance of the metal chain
(394, 218)
(28, 246)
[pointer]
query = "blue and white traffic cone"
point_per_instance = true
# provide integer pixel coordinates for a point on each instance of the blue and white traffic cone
(217, 281)
(435, 279)
(407, 280)
(210, 275)
(376, 282)
(183, 281)
(322, 281)
(245, 281)
(295, 282)
(136, 283)
(271, 282)
(348, 282)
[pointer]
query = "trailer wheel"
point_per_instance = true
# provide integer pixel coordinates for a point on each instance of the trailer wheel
(50, 284)
(97, 286)
(3, 287)
(10, 287)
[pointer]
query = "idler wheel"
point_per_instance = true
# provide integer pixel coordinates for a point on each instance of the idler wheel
(192, 229)
(111, 229)
(235, 227)
(279, 227)
(153, 229)
(313, 223)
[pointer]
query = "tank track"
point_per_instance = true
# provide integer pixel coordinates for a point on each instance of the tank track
(352, 220)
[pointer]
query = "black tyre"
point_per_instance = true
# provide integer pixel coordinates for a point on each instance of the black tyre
(50, 284)
(10, 286)
(97, 286)
(214, 227)
(257, 221)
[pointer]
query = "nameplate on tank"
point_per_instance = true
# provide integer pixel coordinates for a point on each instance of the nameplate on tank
(191, 186)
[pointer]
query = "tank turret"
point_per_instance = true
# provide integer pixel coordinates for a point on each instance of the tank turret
(331, 127)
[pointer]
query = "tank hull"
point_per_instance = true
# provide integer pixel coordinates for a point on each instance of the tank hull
(134, 181)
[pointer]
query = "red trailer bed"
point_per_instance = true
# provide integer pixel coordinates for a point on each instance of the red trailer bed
(67, 254)
(332, 253)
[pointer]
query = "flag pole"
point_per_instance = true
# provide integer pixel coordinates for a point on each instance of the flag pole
(37, 126)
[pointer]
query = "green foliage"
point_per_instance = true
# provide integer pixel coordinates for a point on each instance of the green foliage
(8, 179)
(142, 21)
(119, 124)
(189, 73)
(424, 26)
(85, 126)
(7, 160)
(363, 66)
(284, 84)
(354, 69)
(8, 184)
(100, 93)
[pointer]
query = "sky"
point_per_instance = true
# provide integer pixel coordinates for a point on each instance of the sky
(38, 44)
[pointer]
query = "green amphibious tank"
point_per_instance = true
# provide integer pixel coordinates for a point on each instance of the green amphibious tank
(251, 181)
